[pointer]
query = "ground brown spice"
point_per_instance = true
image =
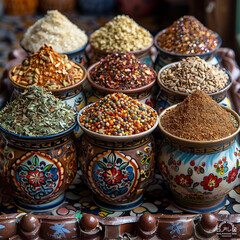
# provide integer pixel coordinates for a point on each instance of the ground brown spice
(198, 118)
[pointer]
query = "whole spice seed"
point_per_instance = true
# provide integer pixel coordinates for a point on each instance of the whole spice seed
(187, 36)
(199, 118)
(194, 73)
(122, 71)
(123, 34)
(47, 69)
(119, 115)
(36, 112)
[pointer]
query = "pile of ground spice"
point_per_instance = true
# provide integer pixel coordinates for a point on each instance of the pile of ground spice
(199, 118)
(122, 71)
(55, 30)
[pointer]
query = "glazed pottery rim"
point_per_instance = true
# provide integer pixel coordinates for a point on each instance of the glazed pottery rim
(4, 131)
(183, 94)
(71, 87)
(116, 138)
(112, 90)
(65, 53)
(199, 143)
(138, 51)
(201, 55)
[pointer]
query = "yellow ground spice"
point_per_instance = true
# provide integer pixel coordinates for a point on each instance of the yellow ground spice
(199, 118)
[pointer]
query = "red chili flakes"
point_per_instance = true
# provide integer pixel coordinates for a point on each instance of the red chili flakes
(122, 71)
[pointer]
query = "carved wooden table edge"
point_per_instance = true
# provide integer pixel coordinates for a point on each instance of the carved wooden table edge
(147, 226)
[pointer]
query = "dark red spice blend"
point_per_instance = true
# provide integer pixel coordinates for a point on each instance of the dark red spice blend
(199, 118)
(122, 71)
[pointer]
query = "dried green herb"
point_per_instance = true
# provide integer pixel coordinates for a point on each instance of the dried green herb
(36, 112)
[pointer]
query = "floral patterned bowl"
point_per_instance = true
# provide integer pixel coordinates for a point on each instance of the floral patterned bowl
(200, 173)
(118, 169)
(37, 170)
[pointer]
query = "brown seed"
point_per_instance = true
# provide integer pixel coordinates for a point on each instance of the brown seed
(37, 71)
(24, 83)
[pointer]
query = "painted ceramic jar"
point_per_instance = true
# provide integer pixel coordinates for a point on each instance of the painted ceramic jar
(79, 56)
(145, 94)
(118, 169)
(166, 57)
(144, 55)
(200, 173)
(168, 97)
(38, 169)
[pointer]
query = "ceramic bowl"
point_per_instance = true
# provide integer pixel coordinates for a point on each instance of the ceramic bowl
(143, 94)
(143, 55)
(38, 170)
(168, 96)
(200, 173)
(118, 169)
(78, 56)
(167, 57)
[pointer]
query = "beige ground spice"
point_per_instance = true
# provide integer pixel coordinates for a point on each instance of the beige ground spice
(198, 118)
(55, 30)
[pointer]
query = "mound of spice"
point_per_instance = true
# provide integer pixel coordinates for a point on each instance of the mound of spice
(199, 118)
(194, 73)
(55, 30)
(122, 71)
(187, 36)
(119, 115)
(47, 69)
(36, 112)
(123, 34)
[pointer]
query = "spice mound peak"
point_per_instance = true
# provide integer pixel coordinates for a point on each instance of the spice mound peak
(118, 115)
(121, 33)
(56, 30)
(188, 36)
(122, 71)
(199, 118)
(47, 69)
(36, 113)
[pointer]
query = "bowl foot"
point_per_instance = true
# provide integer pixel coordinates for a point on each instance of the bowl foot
(40, 207)
(119, 207)
(191, 207)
